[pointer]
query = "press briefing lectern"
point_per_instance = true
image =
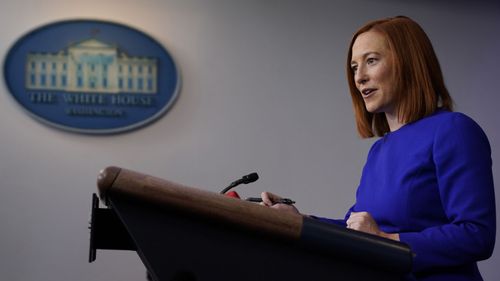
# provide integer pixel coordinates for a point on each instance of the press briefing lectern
(185, 234)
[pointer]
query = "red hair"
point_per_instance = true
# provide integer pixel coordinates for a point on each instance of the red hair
(419, 83)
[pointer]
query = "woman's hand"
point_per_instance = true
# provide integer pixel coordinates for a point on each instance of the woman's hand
(269, 198)
(363, 221)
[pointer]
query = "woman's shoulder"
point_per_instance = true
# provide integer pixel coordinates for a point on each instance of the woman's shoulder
(457, 126)
(444, 115)
(441, 124)
(455, 121)
(446, 120)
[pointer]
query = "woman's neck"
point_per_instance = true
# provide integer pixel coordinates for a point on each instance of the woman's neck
(393, 121)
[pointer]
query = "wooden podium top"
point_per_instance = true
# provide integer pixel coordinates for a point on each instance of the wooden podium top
(114, 180)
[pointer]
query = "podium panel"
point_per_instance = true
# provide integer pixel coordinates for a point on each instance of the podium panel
(179, 244)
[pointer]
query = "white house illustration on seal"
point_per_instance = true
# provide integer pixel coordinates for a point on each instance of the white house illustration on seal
(91, 66)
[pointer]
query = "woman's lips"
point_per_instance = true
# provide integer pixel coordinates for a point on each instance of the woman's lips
(368, 92)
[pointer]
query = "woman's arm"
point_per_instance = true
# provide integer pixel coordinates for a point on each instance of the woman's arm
(462, 159)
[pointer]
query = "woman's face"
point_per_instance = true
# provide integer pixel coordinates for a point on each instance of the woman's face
(371, 63)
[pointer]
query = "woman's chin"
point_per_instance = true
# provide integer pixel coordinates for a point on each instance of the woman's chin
(371, 109)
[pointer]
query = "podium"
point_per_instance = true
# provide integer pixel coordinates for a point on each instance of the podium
(185, 234)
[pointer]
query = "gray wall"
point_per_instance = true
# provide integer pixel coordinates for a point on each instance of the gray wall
(263, 90)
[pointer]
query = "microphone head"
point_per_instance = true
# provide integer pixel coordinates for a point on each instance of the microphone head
(250, 178)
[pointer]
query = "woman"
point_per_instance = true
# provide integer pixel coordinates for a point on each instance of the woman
(427, 181)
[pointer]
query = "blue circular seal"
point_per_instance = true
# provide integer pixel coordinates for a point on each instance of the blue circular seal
(91, 76)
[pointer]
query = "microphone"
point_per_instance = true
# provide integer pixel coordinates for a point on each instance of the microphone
(244, 180)
(249, 178)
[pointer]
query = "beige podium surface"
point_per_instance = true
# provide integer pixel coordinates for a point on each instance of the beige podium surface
(115, 180)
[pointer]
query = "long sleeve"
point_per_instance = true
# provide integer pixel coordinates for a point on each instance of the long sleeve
(339, 222)
(462, 159)
(431, 182)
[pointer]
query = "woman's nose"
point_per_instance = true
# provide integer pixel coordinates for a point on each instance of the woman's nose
(361, 76)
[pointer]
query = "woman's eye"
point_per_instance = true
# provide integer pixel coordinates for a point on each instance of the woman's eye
(371, 60)
(354, 68)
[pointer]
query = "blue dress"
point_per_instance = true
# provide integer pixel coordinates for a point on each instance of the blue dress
(431, 182)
